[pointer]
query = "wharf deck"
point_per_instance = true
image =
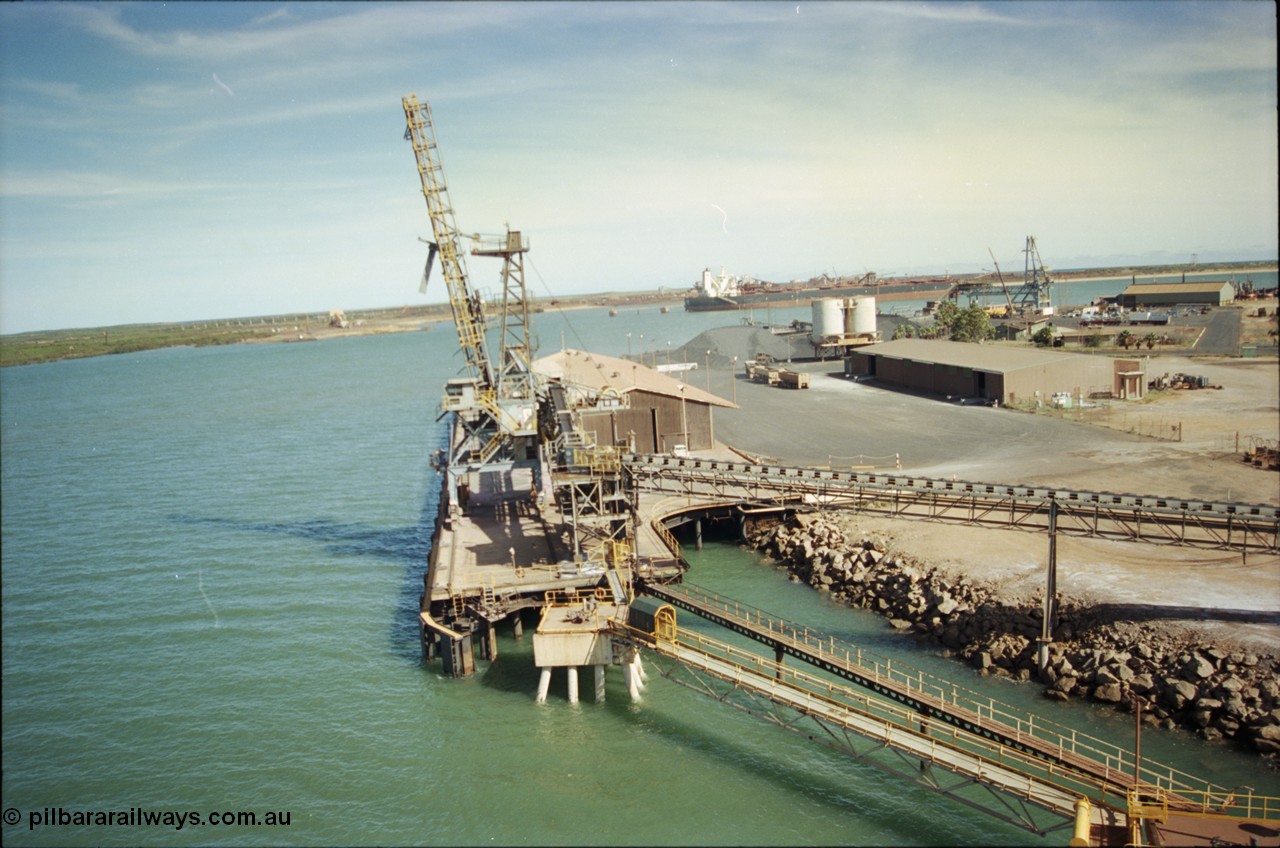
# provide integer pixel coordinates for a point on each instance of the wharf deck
(496, 548)
(509, 550)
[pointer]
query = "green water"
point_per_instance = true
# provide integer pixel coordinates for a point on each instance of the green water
(211, 566)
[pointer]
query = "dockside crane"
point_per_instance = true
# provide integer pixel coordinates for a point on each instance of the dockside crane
(515, 372)
(1035, 278)
(497, 409)
(1007, 298)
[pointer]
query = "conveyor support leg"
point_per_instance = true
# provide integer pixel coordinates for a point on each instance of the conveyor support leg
(544, 684)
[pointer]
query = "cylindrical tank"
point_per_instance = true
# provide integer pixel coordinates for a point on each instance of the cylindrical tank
(828, 319)
(864, 315)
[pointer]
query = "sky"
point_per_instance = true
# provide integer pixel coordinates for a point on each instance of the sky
(188, 161)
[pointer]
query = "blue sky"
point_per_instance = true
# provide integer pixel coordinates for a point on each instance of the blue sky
(166, 162)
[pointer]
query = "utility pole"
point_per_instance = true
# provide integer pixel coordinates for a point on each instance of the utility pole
(1050, 592)
(684, 420)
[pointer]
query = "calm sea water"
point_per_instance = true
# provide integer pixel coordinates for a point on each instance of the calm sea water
(212, 559)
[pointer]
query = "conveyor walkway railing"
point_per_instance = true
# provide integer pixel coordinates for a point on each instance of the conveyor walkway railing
(1143, 518)
(989, 770)
(1104, 763)
(842, 709)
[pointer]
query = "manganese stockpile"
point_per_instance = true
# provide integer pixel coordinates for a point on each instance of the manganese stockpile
(1217, 693)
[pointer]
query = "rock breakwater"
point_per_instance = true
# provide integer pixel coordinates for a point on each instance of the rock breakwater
(1217, 692)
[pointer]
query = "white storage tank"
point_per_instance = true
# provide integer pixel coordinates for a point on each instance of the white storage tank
(863, 312)
(828, 319)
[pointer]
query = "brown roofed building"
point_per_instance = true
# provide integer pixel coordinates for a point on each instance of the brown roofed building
(1008, 375)
(1142, 295)
(619, 402)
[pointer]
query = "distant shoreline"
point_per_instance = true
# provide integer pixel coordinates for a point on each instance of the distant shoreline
(54, 345)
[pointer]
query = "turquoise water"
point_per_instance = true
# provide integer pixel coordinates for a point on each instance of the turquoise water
(212, 559)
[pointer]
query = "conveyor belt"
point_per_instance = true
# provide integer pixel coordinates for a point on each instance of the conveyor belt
(1101, 763)
(1145, 518)
(1003, 763)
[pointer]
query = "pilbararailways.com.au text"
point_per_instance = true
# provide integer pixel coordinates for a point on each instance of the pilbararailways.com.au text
(141, 817)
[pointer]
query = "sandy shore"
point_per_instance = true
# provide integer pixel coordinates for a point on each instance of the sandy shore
(440, 314)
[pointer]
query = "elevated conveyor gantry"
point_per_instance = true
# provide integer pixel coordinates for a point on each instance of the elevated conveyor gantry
(1001, 761)
(1249, 528)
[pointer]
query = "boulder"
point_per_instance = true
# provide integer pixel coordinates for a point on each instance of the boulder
(1065, 683)
(1105, 677)
(1270, 731)
(1178, 693)
(1196, 668)
(1266, 746)
(1142, 683)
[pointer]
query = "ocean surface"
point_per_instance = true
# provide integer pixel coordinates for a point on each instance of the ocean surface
(211, 566)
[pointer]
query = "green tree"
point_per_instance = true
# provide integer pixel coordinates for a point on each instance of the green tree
(1125, 339)
(905, 330)
(972, 324)
(1150, 339)
(944, 318)
(1043, 337)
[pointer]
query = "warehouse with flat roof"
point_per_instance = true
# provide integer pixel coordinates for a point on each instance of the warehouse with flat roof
(1005, 375)
(1140, 295)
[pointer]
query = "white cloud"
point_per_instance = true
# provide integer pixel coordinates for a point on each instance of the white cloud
(893, 137)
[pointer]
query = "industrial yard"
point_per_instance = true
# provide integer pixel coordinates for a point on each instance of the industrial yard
(570, 483)
(843, 423)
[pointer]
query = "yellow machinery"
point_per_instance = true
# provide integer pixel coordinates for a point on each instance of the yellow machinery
(496, 408)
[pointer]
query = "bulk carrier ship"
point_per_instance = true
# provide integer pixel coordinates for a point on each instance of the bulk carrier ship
(727, 291)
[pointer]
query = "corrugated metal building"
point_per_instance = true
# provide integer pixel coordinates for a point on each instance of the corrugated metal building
(1008, 375)
(1165, 294)
(619, 402)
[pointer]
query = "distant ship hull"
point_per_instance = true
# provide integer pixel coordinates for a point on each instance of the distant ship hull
(784, 296)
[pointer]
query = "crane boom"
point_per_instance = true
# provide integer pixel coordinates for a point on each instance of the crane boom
(1008, 299)
(468, 310)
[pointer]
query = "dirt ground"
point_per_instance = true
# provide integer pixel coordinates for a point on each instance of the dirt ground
(1224, 597)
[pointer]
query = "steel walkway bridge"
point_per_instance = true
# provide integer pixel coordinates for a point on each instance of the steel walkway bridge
(1021, 768)
(1249, 528)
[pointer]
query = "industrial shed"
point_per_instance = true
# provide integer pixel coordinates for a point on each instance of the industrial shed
(619, 402)
(1167, 294)
(1007, 375)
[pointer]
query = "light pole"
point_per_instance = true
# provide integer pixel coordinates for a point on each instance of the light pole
(628, 345)
(733, 377)
(684, 420)
(708, 371)
(668, 353)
